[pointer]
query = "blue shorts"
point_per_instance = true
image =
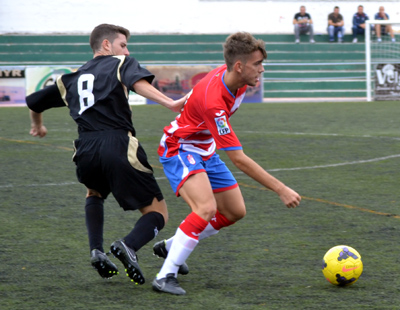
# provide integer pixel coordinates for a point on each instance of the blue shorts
(178, 168)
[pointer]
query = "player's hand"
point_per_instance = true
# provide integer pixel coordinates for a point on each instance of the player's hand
(178, 104)
(36, 131)
(289, 197)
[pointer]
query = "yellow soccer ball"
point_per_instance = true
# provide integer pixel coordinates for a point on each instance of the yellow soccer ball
(342, 265)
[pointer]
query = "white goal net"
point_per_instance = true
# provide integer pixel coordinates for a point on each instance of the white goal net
(382, 52)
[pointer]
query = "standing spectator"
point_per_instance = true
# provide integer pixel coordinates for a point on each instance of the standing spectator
(359, 23)
(303, 24)
(335, 25)
(383, 29)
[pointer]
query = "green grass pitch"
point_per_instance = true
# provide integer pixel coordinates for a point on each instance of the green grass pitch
(343, 158)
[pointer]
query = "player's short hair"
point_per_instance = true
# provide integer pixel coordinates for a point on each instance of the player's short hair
(106, 31)
(239, 46)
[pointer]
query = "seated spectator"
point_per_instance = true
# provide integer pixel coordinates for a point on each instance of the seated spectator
(303, 24)
(335, 25)
(359, 23)
(383, 29)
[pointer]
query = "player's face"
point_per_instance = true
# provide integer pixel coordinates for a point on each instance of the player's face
(119, 46)
(360, 9)
(253, 69)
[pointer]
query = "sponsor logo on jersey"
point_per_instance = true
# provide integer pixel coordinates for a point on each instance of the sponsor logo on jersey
(222, 125)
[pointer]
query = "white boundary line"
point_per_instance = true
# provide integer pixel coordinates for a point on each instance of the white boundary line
(319, 134)
(39, 185)
(269, 170)
(339, 164)
(239, 172)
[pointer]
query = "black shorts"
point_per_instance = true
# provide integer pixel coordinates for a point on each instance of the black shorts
(114, 161)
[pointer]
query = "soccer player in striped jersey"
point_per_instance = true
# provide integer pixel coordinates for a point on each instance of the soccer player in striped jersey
(194, 169)
(108, 156)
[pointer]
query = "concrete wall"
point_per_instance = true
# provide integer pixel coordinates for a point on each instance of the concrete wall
(174, 16)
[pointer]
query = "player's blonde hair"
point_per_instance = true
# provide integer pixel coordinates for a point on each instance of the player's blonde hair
(239, 46)
(106, 31)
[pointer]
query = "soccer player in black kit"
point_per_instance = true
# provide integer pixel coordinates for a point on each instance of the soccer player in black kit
(108, 157)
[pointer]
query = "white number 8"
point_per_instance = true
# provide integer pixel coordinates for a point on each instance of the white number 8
(85, 91)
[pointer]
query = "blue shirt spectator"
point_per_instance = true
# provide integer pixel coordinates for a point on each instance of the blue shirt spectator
(359, 23)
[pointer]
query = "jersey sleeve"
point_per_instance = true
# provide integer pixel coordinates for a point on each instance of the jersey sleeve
(131, 72)
(217, 121)
(44, 99)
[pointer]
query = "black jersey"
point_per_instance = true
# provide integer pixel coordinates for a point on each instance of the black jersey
(299, 17)
(96, 94)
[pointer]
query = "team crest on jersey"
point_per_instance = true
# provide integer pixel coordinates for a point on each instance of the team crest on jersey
(191, 159)
(222, 125)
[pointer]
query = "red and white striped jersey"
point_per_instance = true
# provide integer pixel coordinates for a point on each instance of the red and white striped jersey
(203, 124)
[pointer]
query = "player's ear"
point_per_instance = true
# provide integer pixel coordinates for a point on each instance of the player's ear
(106, 45)
(238, 66)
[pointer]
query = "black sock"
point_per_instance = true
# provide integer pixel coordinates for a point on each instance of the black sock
(145, 230)
(94, 215)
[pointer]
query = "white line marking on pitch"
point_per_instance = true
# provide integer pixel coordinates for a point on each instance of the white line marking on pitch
(339, 164)
(319, 134)
(39, 185)
(239, 172)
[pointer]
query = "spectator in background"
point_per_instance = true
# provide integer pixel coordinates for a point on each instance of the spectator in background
(335, 25)
(303, 24)
(383, 29)
(359, 23)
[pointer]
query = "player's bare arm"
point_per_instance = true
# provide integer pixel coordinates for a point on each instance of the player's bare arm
(288, 196)
(145, 89)
(37, 127)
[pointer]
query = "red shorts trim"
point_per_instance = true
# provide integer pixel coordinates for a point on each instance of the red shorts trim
(184, 180)
(224, 189)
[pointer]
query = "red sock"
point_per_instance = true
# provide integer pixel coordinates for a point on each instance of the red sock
(193, 225)
(219, 221)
